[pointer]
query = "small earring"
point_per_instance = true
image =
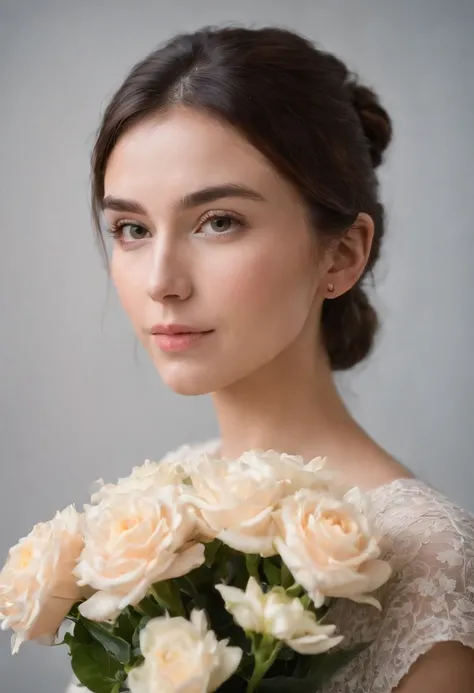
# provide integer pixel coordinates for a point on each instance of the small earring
(331, 288)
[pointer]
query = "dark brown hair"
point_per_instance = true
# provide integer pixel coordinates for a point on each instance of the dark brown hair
(303, 109)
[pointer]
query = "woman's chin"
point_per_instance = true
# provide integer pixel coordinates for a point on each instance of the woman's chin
(185, 380)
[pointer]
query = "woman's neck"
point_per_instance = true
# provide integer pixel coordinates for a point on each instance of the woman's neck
(291, 405)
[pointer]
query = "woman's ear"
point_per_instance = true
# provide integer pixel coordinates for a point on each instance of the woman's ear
(348, 256)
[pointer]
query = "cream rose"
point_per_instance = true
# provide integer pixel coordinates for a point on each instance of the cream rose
(330, 546)
(236, 499)
(37, 587)
(279, 615)
(182, 657)
(133, 540)
(292, 469)
(148, 476)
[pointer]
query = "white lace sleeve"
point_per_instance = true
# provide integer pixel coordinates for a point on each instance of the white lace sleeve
(430, 597)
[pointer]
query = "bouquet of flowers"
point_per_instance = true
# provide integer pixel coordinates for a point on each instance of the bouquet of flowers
(197, 575)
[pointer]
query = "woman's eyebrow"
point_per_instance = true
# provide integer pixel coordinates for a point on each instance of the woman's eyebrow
(217, 192)
(193, 199)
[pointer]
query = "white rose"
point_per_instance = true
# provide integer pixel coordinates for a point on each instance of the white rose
(292, 469)
(182, 657)
(330, 546)
(279, 615)
(236, 499)
(132, 541)
(149, 475)
(37, 586)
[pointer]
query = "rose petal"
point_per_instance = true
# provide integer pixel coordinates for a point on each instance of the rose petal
(314, 644)
(101, 607)
(185, 562)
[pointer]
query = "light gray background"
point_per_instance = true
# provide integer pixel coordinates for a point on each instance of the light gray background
(79, 398)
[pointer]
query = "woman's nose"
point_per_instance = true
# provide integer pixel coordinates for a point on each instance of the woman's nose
(169, 275)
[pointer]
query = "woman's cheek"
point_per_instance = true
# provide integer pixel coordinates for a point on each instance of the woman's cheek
(267, 286)
(130, 282)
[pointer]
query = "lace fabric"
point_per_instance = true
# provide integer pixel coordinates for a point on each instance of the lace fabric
(429, 542)
(430, 597)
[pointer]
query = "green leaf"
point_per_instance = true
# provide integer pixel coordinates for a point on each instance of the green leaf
(186, 585)
(233, 685)
(81, 634)
(168, 596)
(287, 579)
(73, 613)
(287, 654)
(251, 563)
(138, 629)
(321, 669)
(198, 579)
(214, 606)
(149, 607)
(139, 659)
(114, 644)
(230, 568)
(325, 665)
(220, 564)
(210, 552)
(236, 570)
(126, 624)
(94, 667)
(272, 573)
(286, 684)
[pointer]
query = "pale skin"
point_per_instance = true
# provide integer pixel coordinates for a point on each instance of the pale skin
(255, 274)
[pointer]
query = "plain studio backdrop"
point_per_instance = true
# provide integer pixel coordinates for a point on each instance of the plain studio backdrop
(79, 397)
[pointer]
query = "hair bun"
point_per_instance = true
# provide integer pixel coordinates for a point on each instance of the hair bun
(350, 326)
(376, 123)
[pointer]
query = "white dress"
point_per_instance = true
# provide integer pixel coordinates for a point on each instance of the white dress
(429, 598)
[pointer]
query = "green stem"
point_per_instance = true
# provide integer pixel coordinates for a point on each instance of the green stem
(305, 600)
(295, 590)
(262, 666)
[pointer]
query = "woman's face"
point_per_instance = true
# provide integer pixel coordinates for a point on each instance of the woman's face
(211, 239)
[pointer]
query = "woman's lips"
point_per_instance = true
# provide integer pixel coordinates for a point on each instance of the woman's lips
(181, 341)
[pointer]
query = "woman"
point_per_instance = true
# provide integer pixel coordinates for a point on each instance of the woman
(261, 129)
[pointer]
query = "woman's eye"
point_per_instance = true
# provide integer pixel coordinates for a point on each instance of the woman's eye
(220, 225)
(126, 232)
(136, 232)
